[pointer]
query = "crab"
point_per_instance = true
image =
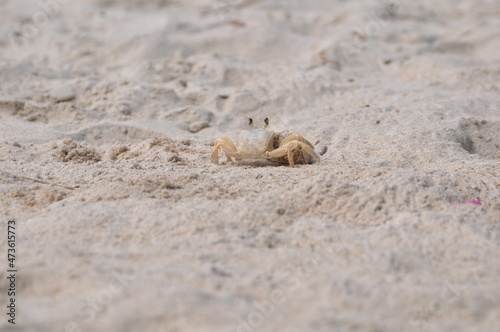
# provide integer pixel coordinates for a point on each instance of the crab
(262, 143)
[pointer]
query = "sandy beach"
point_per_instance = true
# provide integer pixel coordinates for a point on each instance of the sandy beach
(108, 114)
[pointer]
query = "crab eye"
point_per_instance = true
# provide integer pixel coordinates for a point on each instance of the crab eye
(250, 121)
(266, 121)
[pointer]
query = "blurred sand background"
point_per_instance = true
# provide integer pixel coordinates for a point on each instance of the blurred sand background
(108, 111)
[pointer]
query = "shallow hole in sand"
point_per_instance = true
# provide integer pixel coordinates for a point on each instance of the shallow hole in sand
(479, 137)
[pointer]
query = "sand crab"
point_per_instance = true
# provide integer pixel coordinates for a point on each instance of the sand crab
(262, 143)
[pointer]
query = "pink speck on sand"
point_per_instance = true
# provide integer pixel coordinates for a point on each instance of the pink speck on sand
(469, 202)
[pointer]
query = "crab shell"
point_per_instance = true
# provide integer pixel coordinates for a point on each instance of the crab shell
(254, 143)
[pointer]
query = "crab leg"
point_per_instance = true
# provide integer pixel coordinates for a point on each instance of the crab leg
(290, 144)
(307, 147)
(227, 146)
(310, 151)
(285, 151)
(295, 137)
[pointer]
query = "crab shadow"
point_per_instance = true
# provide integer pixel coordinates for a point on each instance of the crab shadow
(255, 163)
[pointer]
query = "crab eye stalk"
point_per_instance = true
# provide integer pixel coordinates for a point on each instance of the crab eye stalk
(266, 123)
(250, 122)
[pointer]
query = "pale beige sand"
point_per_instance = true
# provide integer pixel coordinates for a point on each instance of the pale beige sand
(123, 99)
